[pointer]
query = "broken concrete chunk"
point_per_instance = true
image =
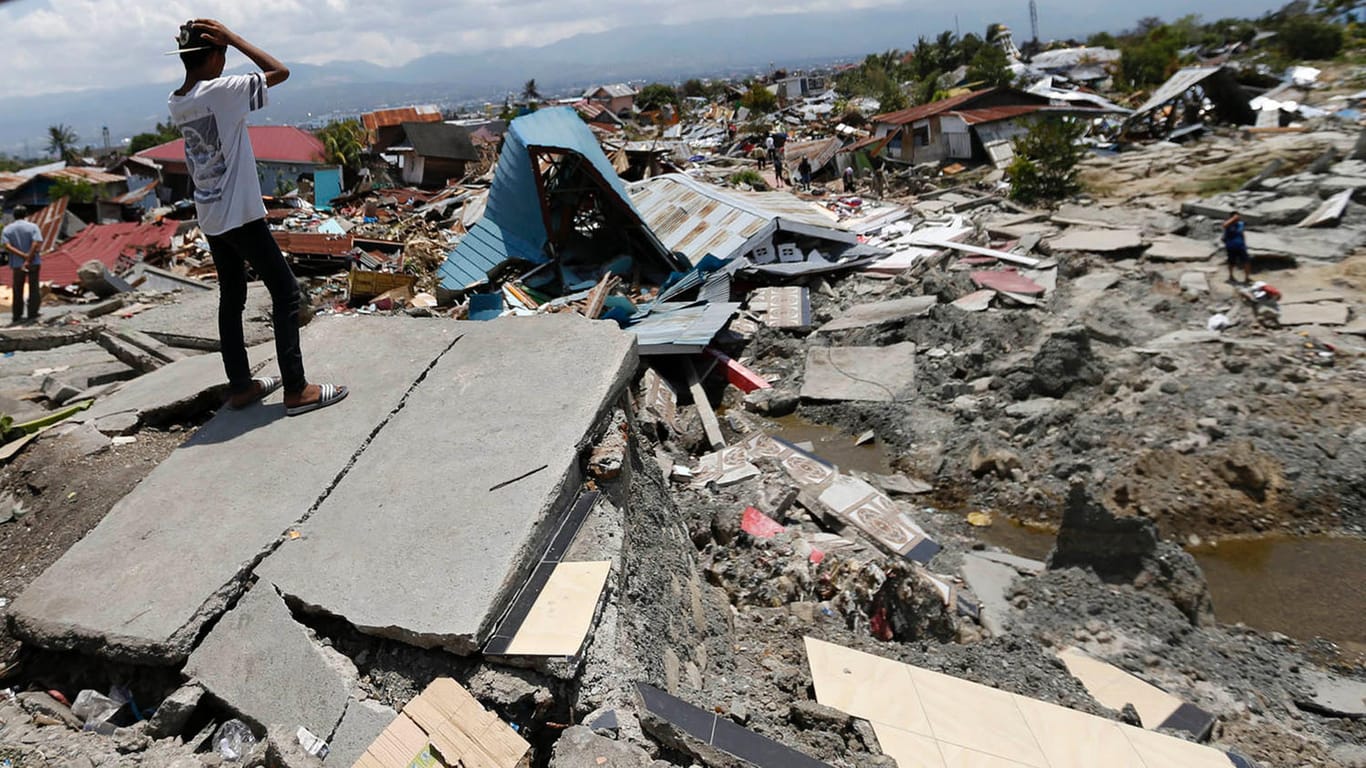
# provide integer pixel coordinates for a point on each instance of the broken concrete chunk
(363, 722)
(174, 712)
(1314, 314)
(1194, 283)
(1176, 248)
(38, 703)
(119, 424)
(977, 301)
(579, 746)
(990, 582)
(1332, 695)
(879, 313)
(1098, 240)
(260, 640)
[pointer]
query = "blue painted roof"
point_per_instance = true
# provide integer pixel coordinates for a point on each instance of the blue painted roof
(512, 226)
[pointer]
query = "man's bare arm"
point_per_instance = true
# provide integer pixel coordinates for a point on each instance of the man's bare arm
(217, 33)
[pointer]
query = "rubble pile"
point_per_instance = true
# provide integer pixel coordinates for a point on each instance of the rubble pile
(659, 458)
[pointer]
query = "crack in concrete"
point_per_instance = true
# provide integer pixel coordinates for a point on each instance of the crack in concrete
(226, 598)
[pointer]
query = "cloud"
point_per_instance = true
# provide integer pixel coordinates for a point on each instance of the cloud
(72, 45)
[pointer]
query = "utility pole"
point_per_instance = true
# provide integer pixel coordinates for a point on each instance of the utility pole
(1034, 18)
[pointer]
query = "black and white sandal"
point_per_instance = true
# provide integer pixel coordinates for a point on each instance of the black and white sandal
(330, 394)
(265, 385)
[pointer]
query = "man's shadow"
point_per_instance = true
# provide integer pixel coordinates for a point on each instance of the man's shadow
(228, 424)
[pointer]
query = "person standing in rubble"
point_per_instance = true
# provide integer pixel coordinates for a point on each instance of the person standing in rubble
(211, 112)
(849, 180)
(22, 240)
(1236, 245)
(804, 171)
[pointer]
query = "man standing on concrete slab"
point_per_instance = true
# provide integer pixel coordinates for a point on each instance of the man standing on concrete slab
(211, 112)
(1236, 245)
(22, 239)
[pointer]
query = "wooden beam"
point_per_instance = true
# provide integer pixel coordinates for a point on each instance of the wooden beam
(704, 410)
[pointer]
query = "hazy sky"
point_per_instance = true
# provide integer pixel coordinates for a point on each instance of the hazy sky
(66, 45)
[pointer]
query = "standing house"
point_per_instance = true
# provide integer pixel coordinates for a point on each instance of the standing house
(284, 155)
(619, 98)
(433, 153)
(978, 125)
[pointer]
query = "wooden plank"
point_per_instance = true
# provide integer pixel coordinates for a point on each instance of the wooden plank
(563, 614)
(704, 410)
(1025, 261)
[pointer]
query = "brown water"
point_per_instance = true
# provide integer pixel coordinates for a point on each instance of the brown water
(835, 446)
(1304, 587)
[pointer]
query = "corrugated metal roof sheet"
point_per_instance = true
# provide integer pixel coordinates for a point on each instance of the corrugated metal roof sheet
(1178, 84)
(90, 175)
(923, 111)
(9, 181)
(819, 152)
(386, 118)
(270, 143)
(513, 226)
(136, 195)
(681, 329)
(697, 219)
(105, 243)
(312, 243)
(50, 220)
(615, 90)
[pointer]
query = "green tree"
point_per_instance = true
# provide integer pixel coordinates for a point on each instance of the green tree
(760, 99)
(61, 140)
(1305, 37)
(655, 96)
(163, 133)
(1149, 61)
(694, 88)
(344, 142)
(927, 90)
(1102, 40)
(892, 99)
(1046, 158)
(530, 92)
(990, 67)
(969, 46)
(76, 190)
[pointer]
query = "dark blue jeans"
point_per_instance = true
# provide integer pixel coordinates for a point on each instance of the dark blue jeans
(253, 244)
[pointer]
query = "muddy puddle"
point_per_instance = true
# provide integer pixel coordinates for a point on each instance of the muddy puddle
(1300, 586)
(833, 445)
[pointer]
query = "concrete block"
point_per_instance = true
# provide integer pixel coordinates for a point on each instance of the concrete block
(1098, 240)
(1175, 248)
(1314, 314)
(270, 669)
(881, 313)
(183, 388)
(190, 533)
(57, 390)
(118, 424)
(990, 582)
(379, 553)
(363, 722)
(877, 374)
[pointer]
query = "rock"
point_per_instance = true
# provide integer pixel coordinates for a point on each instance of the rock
(578, 746)
(811, 715)
(1129, 715)
(771, 402)
(1090, 536)
(119, 424)
(284, 751)
(174, 712)
(1064, 361)
(134, 738)
(999, 461)
(38, 703)
(1029, 409)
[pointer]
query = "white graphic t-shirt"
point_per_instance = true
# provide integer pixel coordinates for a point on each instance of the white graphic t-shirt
(213, 119)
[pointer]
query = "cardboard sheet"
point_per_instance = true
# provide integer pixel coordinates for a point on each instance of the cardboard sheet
(563, 613)
(445, 727)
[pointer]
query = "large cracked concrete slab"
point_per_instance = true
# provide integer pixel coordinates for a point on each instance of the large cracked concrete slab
(874, 374)
(171, 555)
(270, 669)
(183, 387)
(419, 542)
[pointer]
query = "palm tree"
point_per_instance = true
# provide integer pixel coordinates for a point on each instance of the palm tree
(529, 91)
(61, 140)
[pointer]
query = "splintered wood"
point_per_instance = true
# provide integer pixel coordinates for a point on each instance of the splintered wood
(445, 727)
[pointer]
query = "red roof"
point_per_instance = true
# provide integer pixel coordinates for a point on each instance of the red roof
(104, 242)
(312, 243)
(997, 114)
(50, 221)
(929, 110)
(270, 143)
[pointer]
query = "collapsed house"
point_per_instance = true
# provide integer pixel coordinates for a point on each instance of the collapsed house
(556, 203)
(1190, 99)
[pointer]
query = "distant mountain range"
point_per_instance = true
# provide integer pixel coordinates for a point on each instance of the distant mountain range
(705, 48)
